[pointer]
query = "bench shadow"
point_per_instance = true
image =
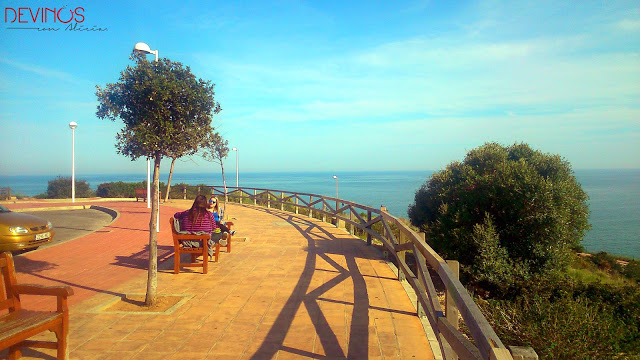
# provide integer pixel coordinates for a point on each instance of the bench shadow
(320, 244)
(140, 260)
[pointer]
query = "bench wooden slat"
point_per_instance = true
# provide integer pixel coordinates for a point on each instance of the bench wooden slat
(17, 326)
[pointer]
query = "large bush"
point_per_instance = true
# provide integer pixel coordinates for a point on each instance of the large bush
(562, 319)
(505, 212)
(60, 188)
(119, 189)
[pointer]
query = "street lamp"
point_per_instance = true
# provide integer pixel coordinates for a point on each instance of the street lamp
(73, 125)
(143, 48)
(236, 150)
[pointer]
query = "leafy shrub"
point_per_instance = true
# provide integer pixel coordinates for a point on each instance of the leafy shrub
(565, 320)
(60, 188)
(606, 262)
(632, 270)
(516, 208)
(119, 189)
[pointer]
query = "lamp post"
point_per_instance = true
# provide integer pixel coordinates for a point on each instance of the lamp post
(143, 48)
(73, 125)
(236, 150)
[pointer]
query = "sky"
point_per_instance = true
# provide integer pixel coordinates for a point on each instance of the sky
(333, 85)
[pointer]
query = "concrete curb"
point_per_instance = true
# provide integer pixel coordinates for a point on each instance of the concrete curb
(54, 208)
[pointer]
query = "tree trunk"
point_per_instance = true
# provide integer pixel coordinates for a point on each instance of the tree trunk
(166, 196)
(226, 197)
(152, 274)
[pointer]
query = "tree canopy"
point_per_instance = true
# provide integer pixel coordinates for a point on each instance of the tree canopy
(506, 213)
(166, 110)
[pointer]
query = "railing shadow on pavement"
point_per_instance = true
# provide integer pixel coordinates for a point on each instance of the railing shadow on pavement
(319, 243)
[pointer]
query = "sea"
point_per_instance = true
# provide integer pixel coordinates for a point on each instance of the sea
(614, 195)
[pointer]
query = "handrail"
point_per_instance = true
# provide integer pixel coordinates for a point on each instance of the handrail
(453, 344)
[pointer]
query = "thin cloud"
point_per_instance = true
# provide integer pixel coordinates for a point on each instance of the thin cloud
(49, 73)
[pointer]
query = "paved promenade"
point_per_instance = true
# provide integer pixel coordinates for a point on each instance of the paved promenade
(296, 288)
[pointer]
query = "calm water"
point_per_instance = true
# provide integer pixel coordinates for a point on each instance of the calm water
(614, 195)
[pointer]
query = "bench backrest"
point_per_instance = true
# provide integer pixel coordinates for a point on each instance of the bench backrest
(8, 298)
(5, 193)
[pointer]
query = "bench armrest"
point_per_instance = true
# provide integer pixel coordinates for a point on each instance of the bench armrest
(32, 289)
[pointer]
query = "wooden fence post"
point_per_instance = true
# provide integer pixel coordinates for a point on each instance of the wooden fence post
(420, 257)
(297, 210)
(268, 200)
(310, 207)
(281, 201)
(352, 228)
(184, 193)
(368, 228)
(324, 208)
(451, 310)
(255, 197)
(402, 255)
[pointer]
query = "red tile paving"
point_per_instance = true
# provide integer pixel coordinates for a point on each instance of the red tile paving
(296, 288)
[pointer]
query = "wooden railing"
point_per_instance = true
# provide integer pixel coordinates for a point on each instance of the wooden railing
(397, 239)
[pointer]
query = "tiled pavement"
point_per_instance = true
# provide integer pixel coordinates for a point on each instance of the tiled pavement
(297, 288)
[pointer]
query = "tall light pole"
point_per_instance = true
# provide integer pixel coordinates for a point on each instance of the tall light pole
(236, 150)
(73, 125)
(143, 48)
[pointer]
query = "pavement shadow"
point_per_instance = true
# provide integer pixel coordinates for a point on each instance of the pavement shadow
(321, 243)
(26, 265)
(140, 260)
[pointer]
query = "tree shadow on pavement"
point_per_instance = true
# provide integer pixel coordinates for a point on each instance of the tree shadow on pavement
(26, 265)
(140, 260)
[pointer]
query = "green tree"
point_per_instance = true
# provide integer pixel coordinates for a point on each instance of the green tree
(506, 213)
(216, 150)
(164, 107)
(60, 188)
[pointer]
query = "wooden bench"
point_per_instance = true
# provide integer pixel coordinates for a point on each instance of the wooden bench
(19, 325)
(195, 252)
(5, 193)
(142, 193)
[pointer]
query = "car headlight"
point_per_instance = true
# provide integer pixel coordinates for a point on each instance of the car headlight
(19, 230)
(49, 225)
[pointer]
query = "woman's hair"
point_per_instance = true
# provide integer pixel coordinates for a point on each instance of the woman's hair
(198, 209)
(215, 202)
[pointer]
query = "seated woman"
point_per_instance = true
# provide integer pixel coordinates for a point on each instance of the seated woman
(213, 206)
(198, 219)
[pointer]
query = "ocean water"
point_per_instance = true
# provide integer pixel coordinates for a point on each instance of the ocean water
(614, 195)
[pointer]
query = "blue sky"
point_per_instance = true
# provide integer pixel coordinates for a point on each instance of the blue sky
(336, 86)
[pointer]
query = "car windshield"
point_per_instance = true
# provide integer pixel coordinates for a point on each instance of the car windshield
(4, 209)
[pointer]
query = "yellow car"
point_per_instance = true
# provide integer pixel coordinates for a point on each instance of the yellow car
(23, 231)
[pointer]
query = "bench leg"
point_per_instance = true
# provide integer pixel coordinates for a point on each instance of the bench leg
(62, 334)
(176, 261)
(15, 352)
